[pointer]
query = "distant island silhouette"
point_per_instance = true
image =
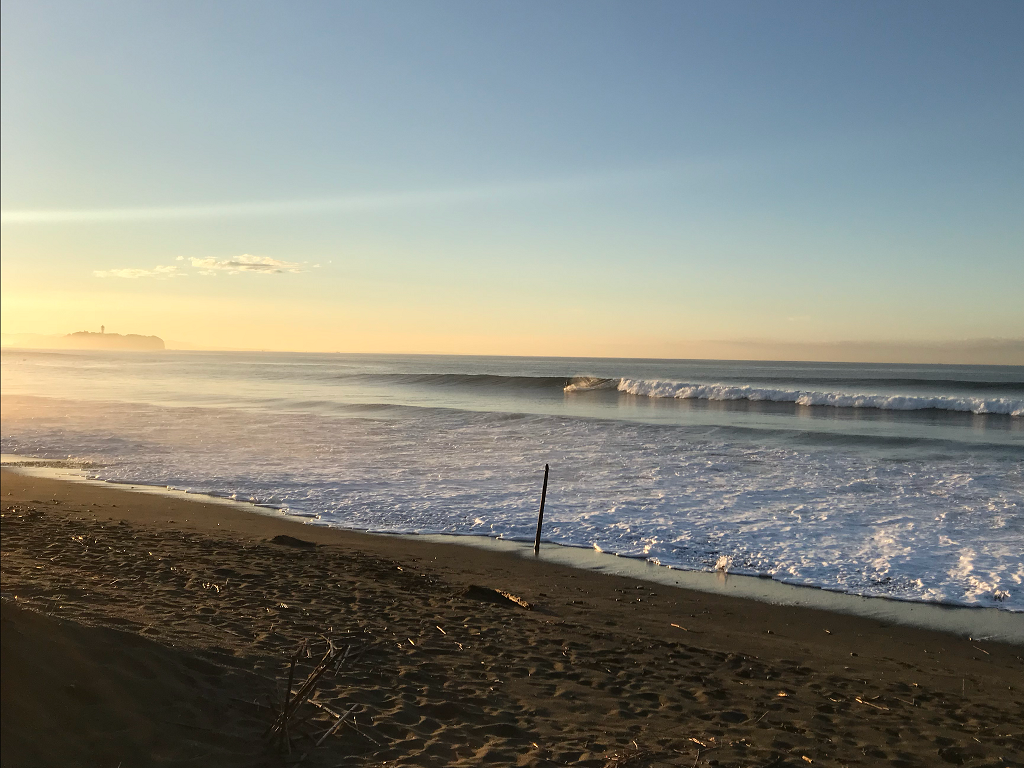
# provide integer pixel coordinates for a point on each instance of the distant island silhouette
(83, 340)
(92, 340)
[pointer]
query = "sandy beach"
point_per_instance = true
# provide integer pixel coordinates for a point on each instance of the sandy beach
(147, 630)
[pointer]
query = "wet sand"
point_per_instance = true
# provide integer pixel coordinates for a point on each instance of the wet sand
(149, 630)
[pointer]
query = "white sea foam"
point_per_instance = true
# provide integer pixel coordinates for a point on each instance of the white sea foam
(869, 512)
(689, 391)
(913, 529)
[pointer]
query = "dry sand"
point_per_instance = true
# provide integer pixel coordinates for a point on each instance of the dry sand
(145, 630)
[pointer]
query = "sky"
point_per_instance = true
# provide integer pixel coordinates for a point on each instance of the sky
(653, 179)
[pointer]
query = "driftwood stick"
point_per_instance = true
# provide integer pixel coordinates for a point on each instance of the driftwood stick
(294, 699)
(351, 724)
(304, 692)
(337, 725)
(307, 688)
(341, 661)
(324, 707)
(291, 679)
(289, 725)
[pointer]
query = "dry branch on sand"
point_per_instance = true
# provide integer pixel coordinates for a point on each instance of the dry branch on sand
(297, 706)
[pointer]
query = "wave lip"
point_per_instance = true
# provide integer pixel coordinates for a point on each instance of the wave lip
(1004, 406)
(591, 383)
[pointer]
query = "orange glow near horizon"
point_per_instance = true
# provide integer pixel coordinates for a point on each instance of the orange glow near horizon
(240, 324)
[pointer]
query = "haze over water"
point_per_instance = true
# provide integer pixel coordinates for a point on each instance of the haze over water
(901, 481)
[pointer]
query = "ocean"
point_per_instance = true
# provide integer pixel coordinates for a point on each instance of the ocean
(902, 481)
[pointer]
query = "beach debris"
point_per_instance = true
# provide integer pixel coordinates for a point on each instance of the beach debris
(499, 596)
(709, 743)
(290, 718)
(636, 757)
(291, 541)
(859, 700)
(334, 728)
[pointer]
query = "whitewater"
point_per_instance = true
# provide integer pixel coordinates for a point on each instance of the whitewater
(715, 391)
(899, 481)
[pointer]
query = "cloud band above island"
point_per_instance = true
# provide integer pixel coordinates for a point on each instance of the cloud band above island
(208, 267)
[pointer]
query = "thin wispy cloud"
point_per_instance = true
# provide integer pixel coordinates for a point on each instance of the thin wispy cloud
(245, 263)
(439, 197)
(352, 204)
(209, 267)
(158, 272)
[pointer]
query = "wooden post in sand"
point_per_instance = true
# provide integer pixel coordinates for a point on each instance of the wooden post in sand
(540, 515)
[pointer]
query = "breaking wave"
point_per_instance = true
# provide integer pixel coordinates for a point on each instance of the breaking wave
(590, 383)
(664, 388)
(691, 391)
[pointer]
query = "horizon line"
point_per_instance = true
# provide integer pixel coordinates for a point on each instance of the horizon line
(1012, 345)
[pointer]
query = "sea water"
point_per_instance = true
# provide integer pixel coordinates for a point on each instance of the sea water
(901, 481)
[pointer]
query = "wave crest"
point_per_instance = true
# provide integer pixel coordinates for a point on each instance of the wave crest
(1005, 406)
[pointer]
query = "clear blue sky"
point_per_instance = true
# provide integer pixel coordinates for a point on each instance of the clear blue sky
(559, 178)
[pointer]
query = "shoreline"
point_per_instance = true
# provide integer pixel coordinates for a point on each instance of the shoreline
(972, 621)
(112, 598)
